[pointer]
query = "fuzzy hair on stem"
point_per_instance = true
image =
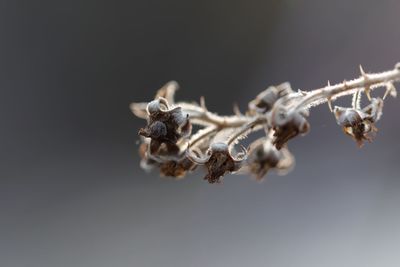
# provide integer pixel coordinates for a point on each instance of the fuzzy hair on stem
(169, 144)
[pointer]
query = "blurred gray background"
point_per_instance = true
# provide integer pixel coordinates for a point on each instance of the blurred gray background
(72, 192)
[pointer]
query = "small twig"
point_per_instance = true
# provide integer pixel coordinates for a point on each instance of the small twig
(201, 134)
(250, 126)
(200, 116)
(370, 81)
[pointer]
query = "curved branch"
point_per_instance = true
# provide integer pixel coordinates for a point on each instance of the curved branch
(331, 92)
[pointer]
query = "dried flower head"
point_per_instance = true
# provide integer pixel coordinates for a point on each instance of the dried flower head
(288, 124)
(172, 164)
(218, 161)
(165, 124)
(360, 123)
(264, 156)
(169, 145)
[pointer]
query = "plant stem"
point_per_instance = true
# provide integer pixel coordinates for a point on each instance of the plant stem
(250, 126)
(332, 92)
(200, 116)
(202, 134)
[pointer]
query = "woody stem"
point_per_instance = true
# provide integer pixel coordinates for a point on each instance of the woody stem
(331, 92)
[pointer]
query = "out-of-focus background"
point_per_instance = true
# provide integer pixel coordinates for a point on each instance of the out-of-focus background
(72, 192)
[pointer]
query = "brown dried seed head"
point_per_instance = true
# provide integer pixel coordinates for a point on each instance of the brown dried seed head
(288, 125)
(360, 124)
(218, 161)
(374, 109)
(165, 125)
(264, 156)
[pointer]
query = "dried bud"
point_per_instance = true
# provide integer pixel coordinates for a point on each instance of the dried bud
(264, 156)
(218, 161)
(360, 124)
(165, 125)
(267, 98)
(287, 125)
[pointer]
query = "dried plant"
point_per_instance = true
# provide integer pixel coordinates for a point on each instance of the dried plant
(169, 144)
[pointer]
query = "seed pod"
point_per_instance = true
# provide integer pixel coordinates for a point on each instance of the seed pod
(165, 125)
(287, 125)
(167, 160)
(218, 161)
(263, 156)
(360, 123)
